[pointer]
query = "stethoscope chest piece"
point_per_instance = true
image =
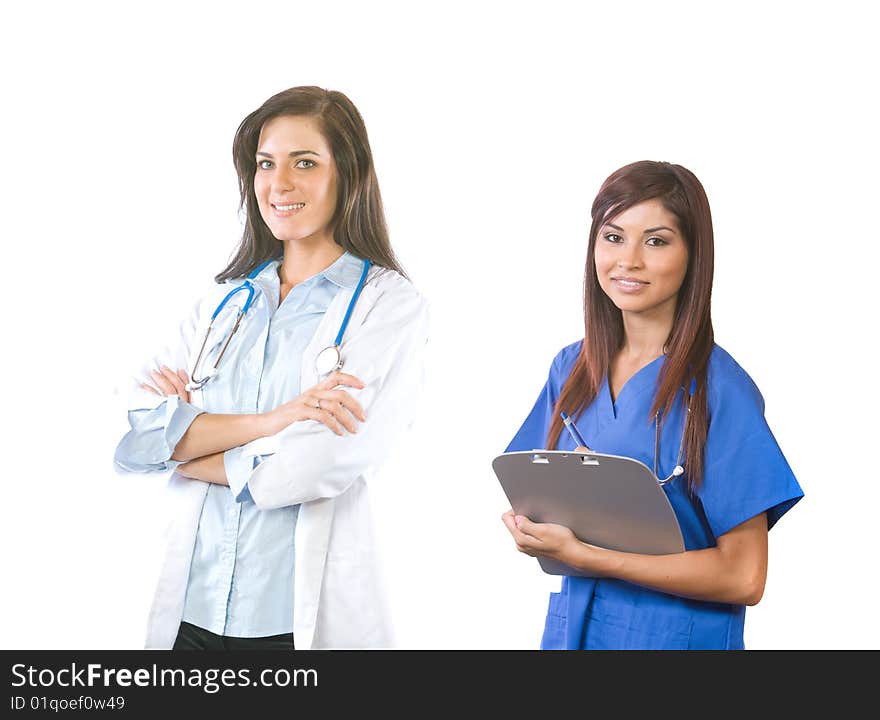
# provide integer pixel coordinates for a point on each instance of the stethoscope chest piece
(328, 360)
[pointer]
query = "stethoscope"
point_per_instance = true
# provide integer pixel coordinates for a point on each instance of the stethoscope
(678, 469)
(326, 362)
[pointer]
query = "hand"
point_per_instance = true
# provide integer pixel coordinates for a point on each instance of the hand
(582, 449)
(337, 409)
(169, 383)
(544, 539)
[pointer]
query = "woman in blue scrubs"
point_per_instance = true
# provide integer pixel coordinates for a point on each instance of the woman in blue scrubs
(648, 367)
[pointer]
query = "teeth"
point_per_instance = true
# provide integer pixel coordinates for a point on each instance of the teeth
(294, 206)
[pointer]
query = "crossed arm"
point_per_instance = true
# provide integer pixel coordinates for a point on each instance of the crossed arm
(210, 434)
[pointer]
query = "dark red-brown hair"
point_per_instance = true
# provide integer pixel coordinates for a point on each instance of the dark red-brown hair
(691, 339)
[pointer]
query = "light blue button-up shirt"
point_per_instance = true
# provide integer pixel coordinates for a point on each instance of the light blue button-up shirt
(241, 577)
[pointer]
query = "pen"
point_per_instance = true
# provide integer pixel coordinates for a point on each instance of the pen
(573, 431)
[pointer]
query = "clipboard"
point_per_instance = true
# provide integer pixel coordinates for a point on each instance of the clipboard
(607, 500)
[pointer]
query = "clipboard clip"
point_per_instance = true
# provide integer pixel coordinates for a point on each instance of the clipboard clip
(538, 459)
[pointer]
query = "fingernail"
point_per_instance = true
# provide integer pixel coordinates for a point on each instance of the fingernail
(518, 520)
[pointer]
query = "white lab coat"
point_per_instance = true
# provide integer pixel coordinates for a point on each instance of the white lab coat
(339, 599)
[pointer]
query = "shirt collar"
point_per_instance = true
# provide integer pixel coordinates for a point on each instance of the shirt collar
(346, 271)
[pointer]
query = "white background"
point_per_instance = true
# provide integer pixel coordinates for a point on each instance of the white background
(492, 125)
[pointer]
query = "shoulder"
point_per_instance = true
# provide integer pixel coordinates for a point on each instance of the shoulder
(388, 280)
(562, 364)
(729, 383)
(390, 287)
(565, 358)
(392, 302)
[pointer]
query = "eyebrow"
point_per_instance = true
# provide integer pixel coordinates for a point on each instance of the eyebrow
(294, 153)
(648, 230)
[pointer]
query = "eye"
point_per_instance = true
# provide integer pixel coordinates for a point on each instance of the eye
(613, 237)
(305, 164)
(656, 241)
(264, 164)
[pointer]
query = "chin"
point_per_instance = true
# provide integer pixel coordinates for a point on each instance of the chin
(631, 304)
(286, 235)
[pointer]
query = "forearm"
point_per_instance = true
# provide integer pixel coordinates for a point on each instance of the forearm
(209, 468)
(709, 574)
(210, 433)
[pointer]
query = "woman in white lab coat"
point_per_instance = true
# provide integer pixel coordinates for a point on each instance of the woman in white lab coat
(272, 543)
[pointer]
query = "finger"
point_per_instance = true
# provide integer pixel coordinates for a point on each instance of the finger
(342, 415)
(527, 550)
(329, 401)
(527, 527)
(521, 539)
(173, 378)
(162, 383)
(181, 373)
(582, 448)
(507, 519)
(346, 400)
(179, 386)
(339, 378)
(150, 388)
(533, 531)
(324, 417)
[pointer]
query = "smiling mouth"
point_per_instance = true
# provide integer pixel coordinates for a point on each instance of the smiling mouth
(289, 207)
(629, 283)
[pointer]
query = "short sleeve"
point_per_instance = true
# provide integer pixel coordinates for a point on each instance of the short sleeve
(532, 435)
(745, 472)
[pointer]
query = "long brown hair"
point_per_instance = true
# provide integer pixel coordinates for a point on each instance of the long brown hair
(359, 220)
(691, 339)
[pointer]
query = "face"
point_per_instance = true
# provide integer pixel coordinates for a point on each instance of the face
(641, 259)
(295, 181)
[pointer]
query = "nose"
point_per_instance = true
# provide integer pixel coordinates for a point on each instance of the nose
(282, 180)
(630, 255)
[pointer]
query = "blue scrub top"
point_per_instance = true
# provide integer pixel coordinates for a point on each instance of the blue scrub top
(745, 474)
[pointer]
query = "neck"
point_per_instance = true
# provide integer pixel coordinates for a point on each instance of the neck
(302, 261)
(645, 333)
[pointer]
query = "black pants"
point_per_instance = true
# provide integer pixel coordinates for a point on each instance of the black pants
(192, 637)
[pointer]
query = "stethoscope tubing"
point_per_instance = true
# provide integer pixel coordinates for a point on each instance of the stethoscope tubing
(197, 383)
(579, 440)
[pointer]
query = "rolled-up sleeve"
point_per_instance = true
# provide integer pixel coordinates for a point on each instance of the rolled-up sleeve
(156, 424)
(154, 433)
(238, 471)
